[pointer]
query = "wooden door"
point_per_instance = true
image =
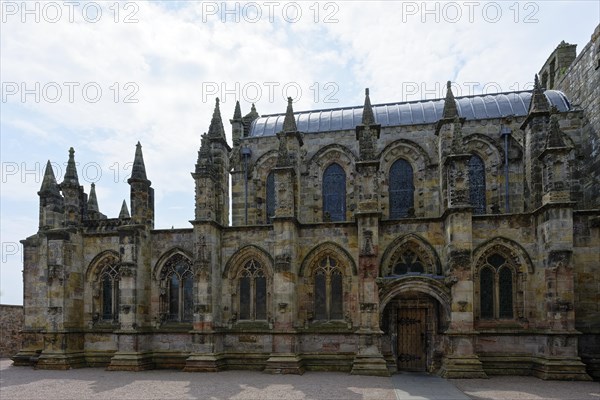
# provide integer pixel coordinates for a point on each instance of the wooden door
(412, 327)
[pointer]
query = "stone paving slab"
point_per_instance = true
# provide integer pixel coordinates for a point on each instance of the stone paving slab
(527, 388)
(97, 383)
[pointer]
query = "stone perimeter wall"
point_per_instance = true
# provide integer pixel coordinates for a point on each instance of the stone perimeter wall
(11, 324)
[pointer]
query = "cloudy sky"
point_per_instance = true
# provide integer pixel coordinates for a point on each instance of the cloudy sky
(99, 76)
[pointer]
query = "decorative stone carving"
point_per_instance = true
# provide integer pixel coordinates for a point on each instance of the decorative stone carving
(57, 273)
(283, 263)
(368, 307)
(367, 249)
(458, 260)
(558, 259)
(127, 271)
(283, 156)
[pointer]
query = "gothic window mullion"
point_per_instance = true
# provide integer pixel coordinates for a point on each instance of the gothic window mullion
(253, 298)
(496, 295)
(180, 294)
(328, 294)
(270, 197)
(116, 292)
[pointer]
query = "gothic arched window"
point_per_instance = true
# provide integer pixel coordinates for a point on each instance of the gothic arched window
(334, 193)
(477, 184)
(252, 292)
(401, 189)
(109, 281)
(178, 283)
(408, 262)
(496, 294)
(328, 290)
(270, 196)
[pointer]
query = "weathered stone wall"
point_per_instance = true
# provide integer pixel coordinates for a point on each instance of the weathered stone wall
(11, 323)
(581, 83)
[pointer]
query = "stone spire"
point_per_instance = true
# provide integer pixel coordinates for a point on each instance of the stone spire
(555, 138)
(124, 213)
(237, 126)
(141, 193)
(92, 205)
(450, 109)
(237, 113)
(139, 169)
(367, 132)
(539, 101)
(368, 118)
(51, 201)
(71, 173)
(216, 129)
(289, 122)
(49, 184)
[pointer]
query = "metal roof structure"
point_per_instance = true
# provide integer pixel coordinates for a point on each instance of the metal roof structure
(478, 107)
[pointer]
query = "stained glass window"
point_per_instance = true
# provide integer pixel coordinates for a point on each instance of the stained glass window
(253, 292)
(270, 196)
(109, 278)
(477, 184)
(486, 288)
(174, 298)
(328, 290)
(401, 189)
(180, 289)
(506, 293)
(334, 193)
(496, 285)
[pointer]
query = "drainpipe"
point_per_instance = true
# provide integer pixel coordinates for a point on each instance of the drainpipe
(246, 153)
(505, 132)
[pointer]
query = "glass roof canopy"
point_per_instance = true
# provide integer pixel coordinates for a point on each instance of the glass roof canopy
(489, 106)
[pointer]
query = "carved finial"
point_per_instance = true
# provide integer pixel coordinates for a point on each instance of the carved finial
(368, 118)
(92, 204)
(450, 109)
(539, 101)
(216, 129)
(49, 184)
(124, 213)
(555, 138)
(138, 171)
(71, 173)
(237, 113)
(289, 123)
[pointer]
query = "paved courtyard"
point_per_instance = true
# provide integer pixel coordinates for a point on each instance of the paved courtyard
(96, 383)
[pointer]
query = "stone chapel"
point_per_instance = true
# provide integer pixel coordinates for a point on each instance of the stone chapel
(459, 236)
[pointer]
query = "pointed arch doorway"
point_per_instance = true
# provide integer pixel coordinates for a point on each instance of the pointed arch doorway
(414, 318)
